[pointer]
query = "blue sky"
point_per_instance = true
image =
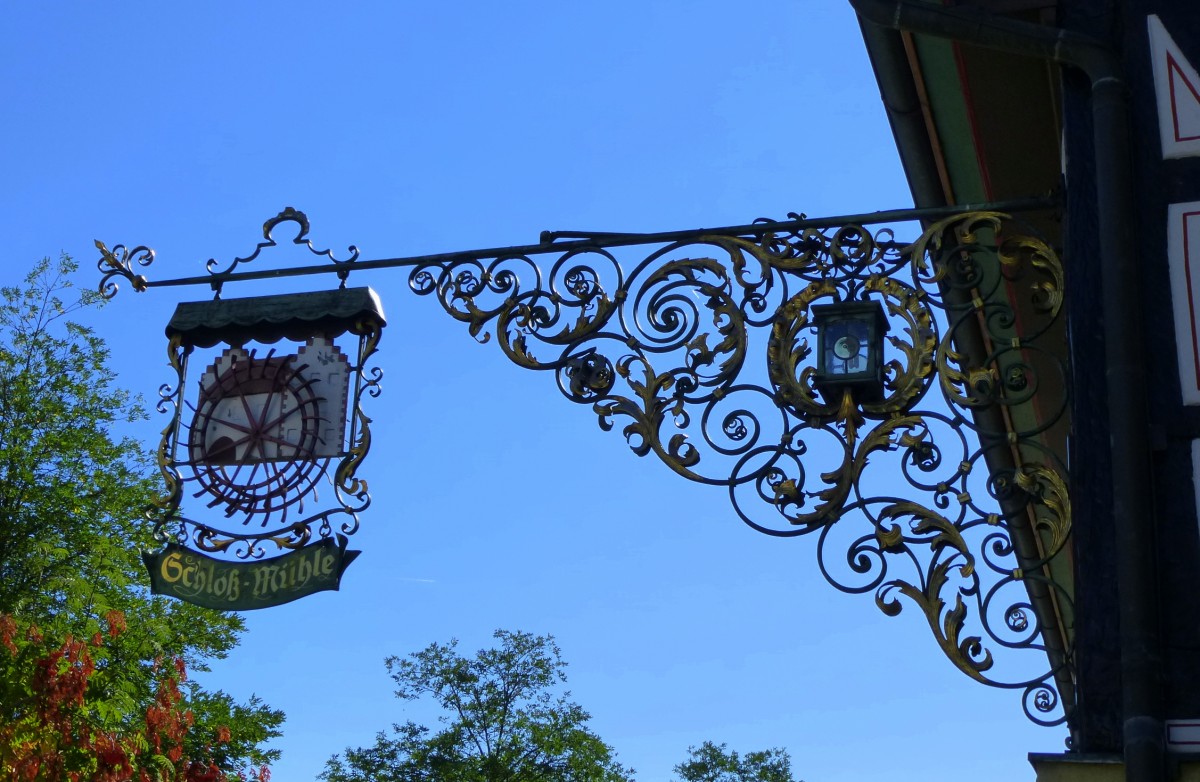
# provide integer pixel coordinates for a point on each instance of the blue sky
(410, 128)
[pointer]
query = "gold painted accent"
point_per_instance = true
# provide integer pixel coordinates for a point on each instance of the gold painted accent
(345, 480)
(890, 538)
(112, 266)
(166, 504)
(1051, 503)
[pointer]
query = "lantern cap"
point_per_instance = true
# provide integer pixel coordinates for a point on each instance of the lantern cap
(268, 319)
(851, 309)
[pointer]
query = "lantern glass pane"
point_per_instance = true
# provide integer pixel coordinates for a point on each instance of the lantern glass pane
(847, 346)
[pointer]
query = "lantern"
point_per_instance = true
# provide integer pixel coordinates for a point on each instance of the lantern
(850, 349)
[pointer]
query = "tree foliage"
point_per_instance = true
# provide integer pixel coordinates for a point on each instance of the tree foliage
(504, 719)
(715, 763)
(62, 720)
(72, 498)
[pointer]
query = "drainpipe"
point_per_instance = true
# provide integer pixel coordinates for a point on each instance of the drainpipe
(907, 119)
(906, 116)
(1125, 371)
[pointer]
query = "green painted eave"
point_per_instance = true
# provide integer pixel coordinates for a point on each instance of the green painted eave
(951, 119)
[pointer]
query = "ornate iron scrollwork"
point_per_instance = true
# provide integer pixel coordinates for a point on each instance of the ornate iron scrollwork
(119, 262)
(288, 215)
(946, 491)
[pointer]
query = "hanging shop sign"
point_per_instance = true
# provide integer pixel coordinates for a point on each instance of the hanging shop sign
(266, 443)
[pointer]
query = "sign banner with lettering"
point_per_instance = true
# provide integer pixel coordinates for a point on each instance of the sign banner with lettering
(242, 586)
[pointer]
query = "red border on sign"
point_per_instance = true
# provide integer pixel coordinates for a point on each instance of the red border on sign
(1173, 69)
(1187, 270)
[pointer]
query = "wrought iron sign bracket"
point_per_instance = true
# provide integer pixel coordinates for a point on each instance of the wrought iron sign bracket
(903, 402)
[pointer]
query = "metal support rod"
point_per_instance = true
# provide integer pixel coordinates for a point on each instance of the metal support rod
(583, 240)
(1124, 363)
